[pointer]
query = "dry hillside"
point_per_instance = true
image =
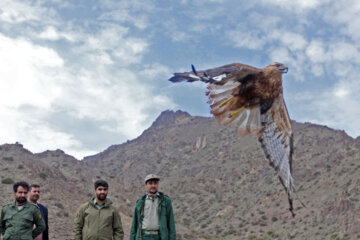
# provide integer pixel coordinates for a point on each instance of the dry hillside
(221, 185)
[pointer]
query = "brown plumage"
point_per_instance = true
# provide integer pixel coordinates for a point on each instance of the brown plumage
(252, 99)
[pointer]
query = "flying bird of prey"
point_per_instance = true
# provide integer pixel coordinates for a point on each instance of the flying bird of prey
(252, 99)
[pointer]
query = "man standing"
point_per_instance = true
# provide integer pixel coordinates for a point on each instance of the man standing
(98, 219)
(19, 217)
(34, 195)
(153, 216)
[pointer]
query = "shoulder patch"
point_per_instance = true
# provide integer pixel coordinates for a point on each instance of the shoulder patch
(40, 216)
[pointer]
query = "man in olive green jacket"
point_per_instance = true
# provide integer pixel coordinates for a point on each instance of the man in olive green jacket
(98, 219)
(18, 218)
(153, 216)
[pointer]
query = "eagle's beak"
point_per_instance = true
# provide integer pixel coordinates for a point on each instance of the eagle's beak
(285, 70)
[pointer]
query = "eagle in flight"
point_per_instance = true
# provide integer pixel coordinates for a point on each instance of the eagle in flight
(252, 99)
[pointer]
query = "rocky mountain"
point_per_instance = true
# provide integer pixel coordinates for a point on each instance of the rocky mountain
(221, 185)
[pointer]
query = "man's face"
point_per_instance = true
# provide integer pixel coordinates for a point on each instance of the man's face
(34, 194)
(101, 193)
(20, 195)
(152, 186)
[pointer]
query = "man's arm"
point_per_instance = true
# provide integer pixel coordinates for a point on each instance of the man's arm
(39, 222)
(171, 222)
(134, 226)
(118, 232)
(44, 212)
(78, 224)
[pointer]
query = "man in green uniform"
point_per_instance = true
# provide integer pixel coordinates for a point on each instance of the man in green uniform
(97, 219)
(18, 218)
(153, 216)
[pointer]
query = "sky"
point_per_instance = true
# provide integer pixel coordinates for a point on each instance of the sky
(83, 75)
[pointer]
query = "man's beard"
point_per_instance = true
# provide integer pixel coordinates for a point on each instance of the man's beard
(101, 197)
(21, 199)
(153, 190)
(35, 198)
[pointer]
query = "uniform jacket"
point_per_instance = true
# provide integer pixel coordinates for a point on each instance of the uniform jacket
(166, 219)
(44, 213)
(18, 225)
(101, 224)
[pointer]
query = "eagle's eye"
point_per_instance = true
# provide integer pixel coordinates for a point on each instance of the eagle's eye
(278, 65)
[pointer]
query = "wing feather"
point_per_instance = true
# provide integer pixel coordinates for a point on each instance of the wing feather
(214, 75)
(223, 97)
(276, 141)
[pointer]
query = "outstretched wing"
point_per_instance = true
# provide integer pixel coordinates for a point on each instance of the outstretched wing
(213, 75)
(230, 105)
(276, 140)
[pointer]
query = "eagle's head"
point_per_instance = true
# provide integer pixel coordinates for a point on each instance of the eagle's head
(278, 67)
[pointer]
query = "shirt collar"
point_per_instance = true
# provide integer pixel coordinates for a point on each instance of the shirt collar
(24, 205)
(95, 203)
(152, 196)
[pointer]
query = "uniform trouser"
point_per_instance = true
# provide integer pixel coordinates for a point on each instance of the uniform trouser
(151, 237)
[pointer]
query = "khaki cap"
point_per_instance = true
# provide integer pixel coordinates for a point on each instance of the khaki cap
(151, 176)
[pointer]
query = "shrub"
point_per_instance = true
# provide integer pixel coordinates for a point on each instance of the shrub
(59, 205)
(7, 181)
(9, 159)
(43, 175)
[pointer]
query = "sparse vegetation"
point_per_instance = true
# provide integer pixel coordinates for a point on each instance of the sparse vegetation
(7, 181)
(8, 159)
(59, 205)
(43, 175)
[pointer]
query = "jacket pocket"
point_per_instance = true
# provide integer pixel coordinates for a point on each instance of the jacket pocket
(28, 221)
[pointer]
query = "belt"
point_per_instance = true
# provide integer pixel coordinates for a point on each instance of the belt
(151, 232)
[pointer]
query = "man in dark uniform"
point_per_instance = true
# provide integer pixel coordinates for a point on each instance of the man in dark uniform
(34, 195)
(18, 218)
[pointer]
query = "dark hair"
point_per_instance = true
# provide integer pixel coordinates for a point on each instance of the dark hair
(21, 184)
(33, 186)
(99, 183)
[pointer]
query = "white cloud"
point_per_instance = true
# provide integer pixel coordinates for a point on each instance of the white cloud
(344, 15)
(50, 33)
(34, 133)
(113, 43)
(316, 52)
(13, 11)
(344, 52)
(340, 110)
(36, 78)
(341, 92)
(293, 41)
(296, 5)
(131, 50)
(28, 73)
(134, 12)
(101, 72)
(246, 39)
(155, 71)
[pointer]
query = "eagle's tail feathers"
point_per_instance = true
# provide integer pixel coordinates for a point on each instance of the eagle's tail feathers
(193, 69)
(181, 77)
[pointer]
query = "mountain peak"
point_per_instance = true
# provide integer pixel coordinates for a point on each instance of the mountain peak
(168, 117)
